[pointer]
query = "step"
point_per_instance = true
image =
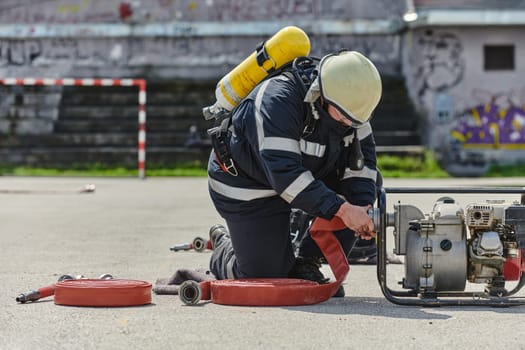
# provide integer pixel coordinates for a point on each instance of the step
(397, 137)
(30, 98)
(182, 92)
(104, 111)
(153, 123)
(403, 150)
(98, 111)
(131, 98)
(26, 112)
(111, 156)
(76, 140)
(392, 124)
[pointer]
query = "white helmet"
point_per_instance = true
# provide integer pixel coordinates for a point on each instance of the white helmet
(351, 83)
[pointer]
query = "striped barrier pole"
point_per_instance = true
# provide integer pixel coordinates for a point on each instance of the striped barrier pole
(142, 129)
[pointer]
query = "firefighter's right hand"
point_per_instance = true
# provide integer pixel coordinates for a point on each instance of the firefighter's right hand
(357, 219)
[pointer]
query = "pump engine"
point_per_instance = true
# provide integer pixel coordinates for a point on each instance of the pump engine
(452, 245)
(481, 243)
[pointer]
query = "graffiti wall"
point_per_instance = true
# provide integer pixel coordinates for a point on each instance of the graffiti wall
(112, 11)
(498, 124)
(163, 38)
(171, 40)
(468, 110)
(440, 62)
(163, 57)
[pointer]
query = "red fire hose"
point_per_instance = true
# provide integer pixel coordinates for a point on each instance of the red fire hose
(277, 291)
(96, 292)
(93, 292)
(37, 294)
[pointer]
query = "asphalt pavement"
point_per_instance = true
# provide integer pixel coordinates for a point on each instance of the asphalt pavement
(125, 227)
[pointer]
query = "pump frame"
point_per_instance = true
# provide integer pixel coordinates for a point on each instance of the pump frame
(435, 299)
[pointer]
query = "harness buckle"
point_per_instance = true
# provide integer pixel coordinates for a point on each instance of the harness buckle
(230, 168)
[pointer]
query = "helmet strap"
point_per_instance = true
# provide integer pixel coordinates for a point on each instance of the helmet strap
(311, 120)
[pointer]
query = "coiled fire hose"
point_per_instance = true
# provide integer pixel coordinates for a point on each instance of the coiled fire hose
(277, 291)
(107, 293)
(104, 291)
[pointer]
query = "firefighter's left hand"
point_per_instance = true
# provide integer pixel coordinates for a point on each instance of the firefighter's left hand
(357, 219)
(364, 232)
(366, 235)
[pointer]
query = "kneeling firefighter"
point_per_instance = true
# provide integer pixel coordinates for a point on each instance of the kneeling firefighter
(300, 139)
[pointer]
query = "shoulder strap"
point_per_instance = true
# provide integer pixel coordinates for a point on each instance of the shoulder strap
(302, 70)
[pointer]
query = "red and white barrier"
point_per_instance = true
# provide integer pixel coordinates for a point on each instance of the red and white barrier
(141, 83)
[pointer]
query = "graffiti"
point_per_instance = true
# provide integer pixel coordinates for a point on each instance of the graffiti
(441, 65)
(499, 124)
(19, 52)
(382, 50)
(50, 11)
(85, 11)
(170, 51)
(74, 7)
(252, 10)
(41, 52)
(63, 48)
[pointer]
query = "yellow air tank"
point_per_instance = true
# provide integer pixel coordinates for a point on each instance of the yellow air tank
(286, 45)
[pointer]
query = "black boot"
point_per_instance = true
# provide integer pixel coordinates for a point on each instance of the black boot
(308, 269)
(217, 232)
(340, 293)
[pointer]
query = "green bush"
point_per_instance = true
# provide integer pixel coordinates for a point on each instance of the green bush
(423, 166)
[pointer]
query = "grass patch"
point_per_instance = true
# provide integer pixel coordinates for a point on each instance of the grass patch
(497, 170)
(391, 166)
(187, 169)
(30, 171)
(424, 166)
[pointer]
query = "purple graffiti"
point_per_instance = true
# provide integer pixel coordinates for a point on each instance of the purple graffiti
(492, 126)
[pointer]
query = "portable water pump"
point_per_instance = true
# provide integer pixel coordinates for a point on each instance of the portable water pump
(481, 243)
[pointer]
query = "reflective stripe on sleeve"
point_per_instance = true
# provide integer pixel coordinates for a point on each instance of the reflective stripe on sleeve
(297, 186)
(239, 193)
(259, 120)
(271, 143)
(280, 144)
(366, 173)
(312, 148)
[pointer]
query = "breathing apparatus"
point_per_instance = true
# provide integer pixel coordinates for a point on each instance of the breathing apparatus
(282, 48)
(347, 80)
(269, 57)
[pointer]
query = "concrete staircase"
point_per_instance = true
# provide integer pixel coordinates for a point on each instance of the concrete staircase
(100, 125)
(396, 125)
(69, 127)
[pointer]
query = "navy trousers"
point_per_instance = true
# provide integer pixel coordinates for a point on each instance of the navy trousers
(262, 248)
(256, 248)
(260, 242)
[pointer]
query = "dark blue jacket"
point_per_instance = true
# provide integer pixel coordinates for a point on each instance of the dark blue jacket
(284, 167)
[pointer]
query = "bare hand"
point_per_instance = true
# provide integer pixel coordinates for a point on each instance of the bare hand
(356, 218)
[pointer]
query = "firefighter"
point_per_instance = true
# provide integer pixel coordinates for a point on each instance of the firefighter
(297, 141)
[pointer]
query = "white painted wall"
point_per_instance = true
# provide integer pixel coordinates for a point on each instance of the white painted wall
(447, 63)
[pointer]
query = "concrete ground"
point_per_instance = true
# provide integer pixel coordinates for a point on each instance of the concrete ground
(126, 227)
